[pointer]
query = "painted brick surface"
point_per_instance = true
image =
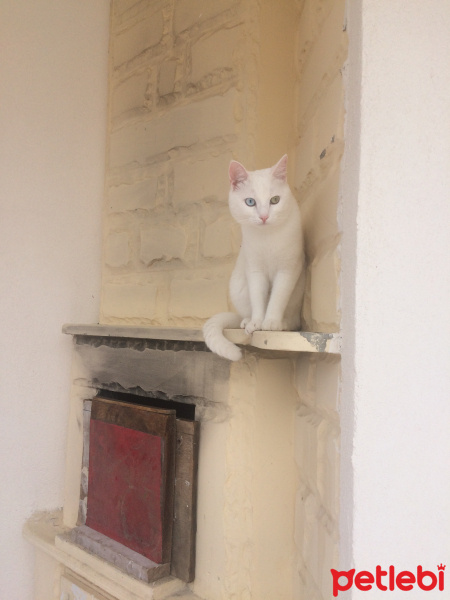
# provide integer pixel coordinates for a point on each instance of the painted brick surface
(320, 213)
(144, 33)
(306, 155)
(130, 95)
(187, 297)
(218, 239)
(317, 457)
(183, 127)
(167, 76)
(327, 52)
(212, 55)
(322, 47)
(200, 181)
(194, 84)
(124, 5)
(189, 91)
(324, 270)
(189, 13)
(320, 57)
(162, 243)
(132, 196)
(328, 116)
(129, 301)
(177, 100)
(117, 251)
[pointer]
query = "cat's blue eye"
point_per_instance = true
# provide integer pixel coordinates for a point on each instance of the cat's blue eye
(275, 200)
(250, 201)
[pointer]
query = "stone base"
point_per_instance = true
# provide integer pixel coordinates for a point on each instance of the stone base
(120, 556)
(58, 557)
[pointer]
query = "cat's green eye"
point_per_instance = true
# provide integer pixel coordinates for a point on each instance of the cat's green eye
(275, 200)
(250, 201)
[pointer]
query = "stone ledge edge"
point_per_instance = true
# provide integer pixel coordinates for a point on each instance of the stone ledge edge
(285, 341)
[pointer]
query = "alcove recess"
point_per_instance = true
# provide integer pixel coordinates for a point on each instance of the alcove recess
(268, 454)
(192, 85)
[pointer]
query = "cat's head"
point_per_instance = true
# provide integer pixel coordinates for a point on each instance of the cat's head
(260, 198)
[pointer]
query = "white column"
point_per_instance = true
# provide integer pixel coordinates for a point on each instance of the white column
(53, 90)
(395, 407)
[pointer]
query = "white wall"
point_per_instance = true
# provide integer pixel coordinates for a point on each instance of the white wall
(396, 364)
(53, 79)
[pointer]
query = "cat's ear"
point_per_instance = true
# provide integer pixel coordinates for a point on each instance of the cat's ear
(237, 173)
(279, 171)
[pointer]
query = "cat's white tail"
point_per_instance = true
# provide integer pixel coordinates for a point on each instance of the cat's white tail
(214, 338)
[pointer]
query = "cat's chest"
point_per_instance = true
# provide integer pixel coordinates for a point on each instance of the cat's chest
(269, 256)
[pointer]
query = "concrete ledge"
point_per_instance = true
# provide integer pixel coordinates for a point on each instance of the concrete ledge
(47, 533)
(285, 341)
(123, 558)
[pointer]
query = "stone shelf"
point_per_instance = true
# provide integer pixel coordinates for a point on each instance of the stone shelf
(45, 530)
(285, 341)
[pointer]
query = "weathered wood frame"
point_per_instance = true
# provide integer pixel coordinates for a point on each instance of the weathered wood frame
(181, 506)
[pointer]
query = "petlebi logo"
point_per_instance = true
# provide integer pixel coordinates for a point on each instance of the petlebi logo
(389, 579)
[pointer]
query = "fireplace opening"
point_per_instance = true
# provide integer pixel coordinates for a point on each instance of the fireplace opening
(182, 410)
(138, 496)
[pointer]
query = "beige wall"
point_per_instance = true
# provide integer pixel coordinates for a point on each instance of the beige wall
(53, 89)
(321, 53)
(194, 84)
(396, 288)
(317, 442)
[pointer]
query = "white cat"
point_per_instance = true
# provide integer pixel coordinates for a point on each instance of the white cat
(267, 283)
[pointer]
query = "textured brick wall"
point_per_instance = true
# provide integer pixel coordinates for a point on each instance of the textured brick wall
(321, 54)
(192, 85)
(317, 456)
(195, 83)
(173, 100)
(177, 101)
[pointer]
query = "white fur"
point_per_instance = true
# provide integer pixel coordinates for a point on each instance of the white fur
(267, 283)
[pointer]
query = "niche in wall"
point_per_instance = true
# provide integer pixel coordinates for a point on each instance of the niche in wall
(139, 485)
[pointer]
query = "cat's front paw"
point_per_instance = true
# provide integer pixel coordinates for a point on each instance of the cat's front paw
(252, 325)
(244, 322)
(273, 325)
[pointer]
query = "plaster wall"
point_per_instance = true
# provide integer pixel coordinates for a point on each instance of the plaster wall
(193, 85)
(396, 385)
(317, 443)
(190, 88)
(321, 50)
(53, 78)
(247, 477)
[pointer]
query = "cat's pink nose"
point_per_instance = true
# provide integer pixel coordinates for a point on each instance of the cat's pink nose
(264, 218)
